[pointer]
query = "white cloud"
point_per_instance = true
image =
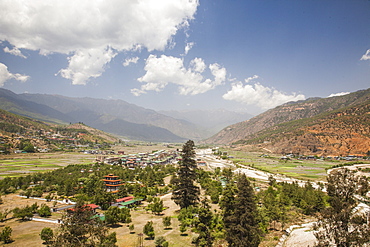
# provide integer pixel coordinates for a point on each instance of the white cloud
(160, 71)
(6, 75)
(188, 47)
(87, 63)
(259, 95)
(338, 94)
(249, 79)
(366, 56)
(15, 51)
(77, 28)
(130, 60)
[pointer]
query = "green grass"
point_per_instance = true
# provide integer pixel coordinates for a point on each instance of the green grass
(300, 169)
(24, 164)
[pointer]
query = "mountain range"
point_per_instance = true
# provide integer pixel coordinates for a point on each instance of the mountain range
(115, 116)
(323, 126)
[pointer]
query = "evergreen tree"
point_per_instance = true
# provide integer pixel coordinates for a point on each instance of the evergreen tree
(340, 224)
(240, 216)
(186, 193)
(204, 226)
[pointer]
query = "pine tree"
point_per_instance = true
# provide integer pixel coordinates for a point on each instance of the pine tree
(204, 226)
(186, 193)
(240, 216)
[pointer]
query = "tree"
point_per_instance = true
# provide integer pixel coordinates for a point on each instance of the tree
(149, 229)
(6, 235)
(186, 193)
(240, 216)
(44, 211)
(132, 228)
(24, 213)
(341, 224)
(80, 227)
(112, 215)
(103, 199)
(204, 226)
(157, 206)
(47, 235)
(161, 242)
(166, 221)
(4, 214)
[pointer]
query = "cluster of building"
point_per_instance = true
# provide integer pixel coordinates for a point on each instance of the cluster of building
(161, 157)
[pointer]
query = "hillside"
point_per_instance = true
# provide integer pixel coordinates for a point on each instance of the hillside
(95, 113)
(18, 132)
(286, 113)
(338, 133)
(107, 114)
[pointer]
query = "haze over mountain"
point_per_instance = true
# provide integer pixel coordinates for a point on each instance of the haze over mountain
(113, 116)
(212, 120)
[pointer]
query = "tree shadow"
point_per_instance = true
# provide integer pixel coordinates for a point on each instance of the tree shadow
(116, 225)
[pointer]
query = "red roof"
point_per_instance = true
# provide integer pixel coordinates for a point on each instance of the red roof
(90, 206)
(125, 199)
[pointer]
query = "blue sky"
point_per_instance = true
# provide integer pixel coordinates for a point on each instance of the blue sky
(243, 55)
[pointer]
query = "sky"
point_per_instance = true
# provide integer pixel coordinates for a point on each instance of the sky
(240, 55)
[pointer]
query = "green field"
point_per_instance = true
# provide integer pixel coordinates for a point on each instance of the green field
(22, 164)
(312, 170)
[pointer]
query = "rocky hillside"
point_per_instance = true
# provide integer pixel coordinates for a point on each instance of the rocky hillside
(330, 126)
(286, 113)
(338, 133)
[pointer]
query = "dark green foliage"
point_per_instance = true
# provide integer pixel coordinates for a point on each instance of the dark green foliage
(47, 234)
(44, 211)
(103, 199)
(166, 221)
(211, 184)
(156, 206)
(132, 228)
(81, 228)
(149, 229)
(114, 215)
(6, 235)
(24, 213)
(204, 226)
(186, 193)
(240, 216)
(110, 240)
(341, 224)
(4, 214)
(161, 242)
